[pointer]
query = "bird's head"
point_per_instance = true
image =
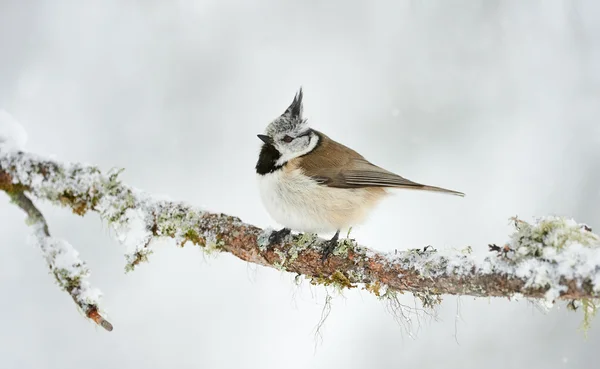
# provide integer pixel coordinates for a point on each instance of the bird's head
(290, 134)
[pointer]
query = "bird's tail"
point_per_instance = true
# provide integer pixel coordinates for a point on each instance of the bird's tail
(439, 189)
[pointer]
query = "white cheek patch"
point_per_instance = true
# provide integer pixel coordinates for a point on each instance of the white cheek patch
(287, 156)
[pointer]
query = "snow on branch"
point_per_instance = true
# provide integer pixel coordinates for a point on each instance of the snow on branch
(70, 272)
(552, 258)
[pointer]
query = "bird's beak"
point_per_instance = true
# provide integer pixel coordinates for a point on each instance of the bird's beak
(266, 139)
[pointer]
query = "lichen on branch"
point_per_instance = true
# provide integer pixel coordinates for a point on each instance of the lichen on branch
(551, 258)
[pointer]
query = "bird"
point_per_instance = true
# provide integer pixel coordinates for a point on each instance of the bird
(310, 183)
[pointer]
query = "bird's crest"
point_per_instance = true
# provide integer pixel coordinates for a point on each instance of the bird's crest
(291, 120)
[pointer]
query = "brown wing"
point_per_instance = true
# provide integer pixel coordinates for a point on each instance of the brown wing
(335, 165)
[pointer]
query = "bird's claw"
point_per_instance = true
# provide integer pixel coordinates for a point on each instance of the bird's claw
(277, 237)
(329, 247)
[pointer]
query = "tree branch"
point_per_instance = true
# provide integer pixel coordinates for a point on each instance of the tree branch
(553, 258)
(63, 260)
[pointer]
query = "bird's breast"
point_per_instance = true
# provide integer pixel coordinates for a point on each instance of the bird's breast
(298, 202)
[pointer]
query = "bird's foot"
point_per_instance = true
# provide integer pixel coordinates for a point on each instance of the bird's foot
(329, 246)
(279, 236)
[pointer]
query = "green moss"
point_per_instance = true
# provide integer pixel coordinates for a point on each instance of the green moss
(66, 281)
(10, 187)
(210, 246)
(193, 237)
(338, 280)
(374, 288)
(138, 257)
(78, 205)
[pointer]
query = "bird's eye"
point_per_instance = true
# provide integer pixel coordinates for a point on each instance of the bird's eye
(287, 139)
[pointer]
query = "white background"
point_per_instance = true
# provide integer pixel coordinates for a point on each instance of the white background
(498, 99)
